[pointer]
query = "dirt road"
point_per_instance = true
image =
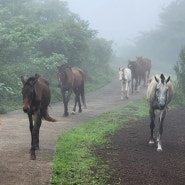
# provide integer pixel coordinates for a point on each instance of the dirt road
(16, 168)
(134, 161)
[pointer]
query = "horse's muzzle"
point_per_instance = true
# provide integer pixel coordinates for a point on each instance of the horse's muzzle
(161, 107)
(26, 110)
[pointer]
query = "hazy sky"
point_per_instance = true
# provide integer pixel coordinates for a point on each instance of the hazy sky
(119, 20)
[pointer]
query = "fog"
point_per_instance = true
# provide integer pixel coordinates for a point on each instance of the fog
(119, 20)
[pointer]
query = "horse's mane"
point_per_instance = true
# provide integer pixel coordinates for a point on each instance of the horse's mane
(31, 80)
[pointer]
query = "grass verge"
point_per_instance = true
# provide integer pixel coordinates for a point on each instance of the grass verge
(74, 162)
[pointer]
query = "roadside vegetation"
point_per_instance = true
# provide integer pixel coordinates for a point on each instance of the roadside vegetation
(74, 161)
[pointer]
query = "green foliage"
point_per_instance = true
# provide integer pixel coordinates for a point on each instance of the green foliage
(74, 160)
(36, 36)
(180, 73)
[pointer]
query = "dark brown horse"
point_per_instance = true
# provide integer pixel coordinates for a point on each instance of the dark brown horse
(71, 79)
(146, 65)
(137, 74)
(36, 99)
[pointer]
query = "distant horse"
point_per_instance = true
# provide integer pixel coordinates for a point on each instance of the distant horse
(146, 65)
(159, 95)
(36, 99)
(125, 77)
(71, 79)
(137, 74)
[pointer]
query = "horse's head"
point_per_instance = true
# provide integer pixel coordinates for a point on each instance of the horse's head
(28, 93)
(161, 91)
(61, 74)
(131, 65)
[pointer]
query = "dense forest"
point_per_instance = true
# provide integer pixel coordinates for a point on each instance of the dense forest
(38, 35)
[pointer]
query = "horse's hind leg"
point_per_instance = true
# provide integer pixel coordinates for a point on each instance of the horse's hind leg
(35, 135)
(74, 108)
(77, 100)
(66, 101)
(127, 90)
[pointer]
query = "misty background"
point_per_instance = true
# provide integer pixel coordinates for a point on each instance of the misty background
(120, 20)
(137, 28)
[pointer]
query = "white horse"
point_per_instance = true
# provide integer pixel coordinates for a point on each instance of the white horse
(125, 77)
(159, 94)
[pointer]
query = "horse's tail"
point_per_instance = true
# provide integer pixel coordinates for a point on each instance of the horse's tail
(47, 117)
(83, 96)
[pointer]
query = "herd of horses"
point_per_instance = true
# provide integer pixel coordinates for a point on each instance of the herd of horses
(159, 91)
(36, 95)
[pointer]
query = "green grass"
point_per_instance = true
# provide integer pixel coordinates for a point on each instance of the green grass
(74, 162)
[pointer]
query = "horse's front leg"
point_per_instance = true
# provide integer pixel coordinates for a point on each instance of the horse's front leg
(152, 125)
(161, 119)
(31, 126)
(35, 135)
(127, 89)
(66, 101)
(74, 108)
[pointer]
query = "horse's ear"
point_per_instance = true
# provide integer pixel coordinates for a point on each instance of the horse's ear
(156, 79)
(37, 76)
(22, 79)
(168, 79)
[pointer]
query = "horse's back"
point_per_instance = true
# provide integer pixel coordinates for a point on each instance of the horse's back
(42, 90)
(128, 74)
(78, 76)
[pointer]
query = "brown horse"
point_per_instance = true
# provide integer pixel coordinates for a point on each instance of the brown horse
(146, 65)
(137, 74)
(71, 79)
(36, 99)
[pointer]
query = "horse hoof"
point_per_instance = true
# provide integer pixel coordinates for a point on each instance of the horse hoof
(33, 157)
(65, 115)
(37, 148)
(151, 142)
(159, 149)
(73, 113)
